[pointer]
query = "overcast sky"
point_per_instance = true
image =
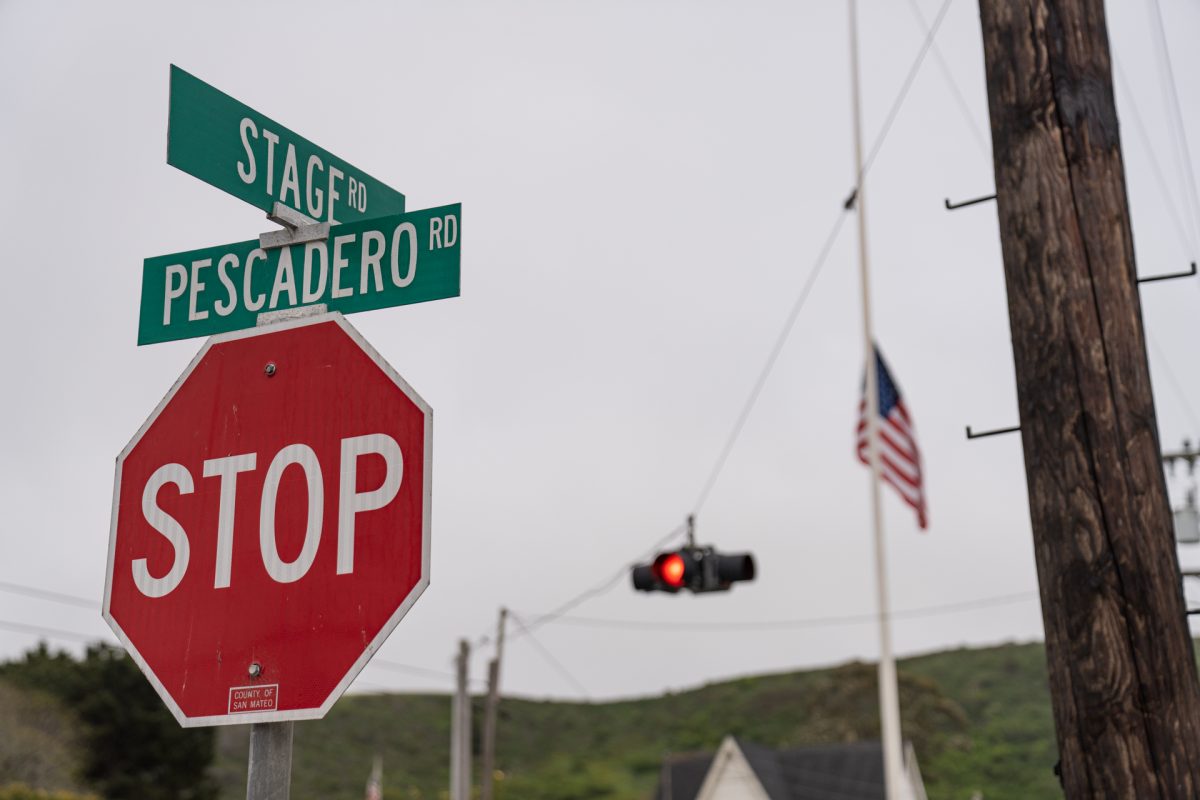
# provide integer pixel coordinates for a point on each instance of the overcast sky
(645, 188)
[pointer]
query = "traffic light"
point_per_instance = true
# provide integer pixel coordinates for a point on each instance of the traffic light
(697, 569)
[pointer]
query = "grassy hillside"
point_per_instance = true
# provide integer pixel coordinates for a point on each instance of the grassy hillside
(1011, 750)
(980, 719)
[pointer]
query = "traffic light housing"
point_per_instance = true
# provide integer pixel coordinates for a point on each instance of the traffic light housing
(696, 569)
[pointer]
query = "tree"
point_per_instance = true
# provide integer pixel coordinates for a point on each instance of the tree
(134, 749)
(38, 740)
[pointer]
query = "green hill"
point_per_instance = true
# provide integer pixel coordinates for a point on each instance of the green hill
(980, 720)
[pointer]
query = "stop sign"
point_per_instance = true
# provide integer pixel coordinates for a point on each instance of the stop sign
(270, 523)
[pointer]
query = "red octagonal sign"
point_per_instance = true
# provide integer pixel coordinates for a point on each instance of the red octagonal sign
(270, 523)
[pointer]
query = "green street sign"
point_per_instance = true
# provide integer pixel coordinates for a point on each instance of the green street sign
(233, 147)
(376, 263)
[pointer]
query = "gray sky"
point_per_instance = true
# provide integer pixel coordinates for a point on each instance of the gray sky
(645, 187)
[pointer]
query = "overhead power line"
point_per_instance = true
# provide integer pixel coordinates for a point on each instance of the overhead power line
(1178, 132)
(46, 594)
(1129, 97)
(51, 633)
(1156, 169)
(596, 590)
(902, 95)
(549, 657)
(410, 669)
(791, 624)
(977, 133)
(1174, 383)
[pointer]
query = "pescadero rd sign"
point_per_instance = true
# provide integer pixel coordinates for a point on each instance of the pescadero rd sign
(377, 263)
(229, 145)
(270, 523)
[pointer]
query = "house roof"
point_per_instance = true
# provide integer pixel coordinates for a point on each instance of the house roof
(821, 772)
(682, 776)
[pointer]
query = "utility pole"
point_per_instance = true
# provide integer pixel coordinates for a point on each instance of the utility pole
(460, 729)
(1187, 516)
(1122, 676)
(489, 719)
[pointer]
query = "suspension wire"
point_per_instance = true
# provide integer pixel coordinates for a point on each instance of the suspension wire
(549, 657)
(815, 271)
(976, 132)
(1178, 132)
(599, 588)
(772, 357)
(1156, 168)
(806, 622)
(903, 94)
(1180, 230)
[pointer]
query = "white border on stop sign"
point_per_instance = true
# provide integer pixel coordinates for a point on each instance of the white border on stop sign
(246, 718)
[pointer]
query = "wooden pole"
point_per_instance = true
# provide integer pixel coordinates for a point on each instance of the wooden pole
(455, 740)
(489, 721)
(1122, 676)
(269, 771)
(460, 728)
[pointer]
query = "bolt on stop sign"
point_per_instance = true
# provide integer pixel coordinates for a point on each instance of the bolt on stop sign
(270, 523)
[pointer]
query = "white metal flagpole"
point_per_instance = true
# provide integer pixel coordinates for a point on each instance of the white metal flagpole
(889, 700)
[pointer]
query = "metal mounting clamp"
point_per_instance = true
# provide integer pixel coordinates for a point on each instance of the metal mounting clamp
(297, 228)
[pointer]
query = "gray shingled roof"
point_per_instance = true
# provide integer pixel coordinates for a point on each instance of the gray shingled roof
(682, 776)
(821, 772)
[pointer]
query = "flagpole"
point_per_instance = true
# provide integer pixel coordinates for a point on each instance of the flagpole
(889, 701)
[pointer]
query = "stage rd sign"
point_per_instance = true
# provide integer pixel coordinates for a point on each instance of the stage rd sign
(229, 145)
(270, 523)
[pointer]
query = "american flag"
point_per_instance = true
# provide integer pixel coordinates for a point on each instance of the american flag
(899, 459)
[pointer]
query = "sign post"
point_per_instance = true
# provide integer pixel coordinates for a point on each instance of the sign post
(269, 771)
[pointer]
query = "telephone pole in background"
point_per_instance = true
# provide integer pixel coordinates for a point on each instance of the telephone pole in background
(1122, 676)
(489, 720)
(460, 728)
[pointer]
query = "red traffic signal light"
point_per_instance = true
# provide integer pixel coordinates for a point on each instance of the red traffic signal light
(670, 569)
(697, 569)
(669, 572)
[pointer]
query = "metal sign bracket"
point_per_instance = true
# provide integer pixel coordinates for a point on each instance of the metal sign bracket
(297, 228)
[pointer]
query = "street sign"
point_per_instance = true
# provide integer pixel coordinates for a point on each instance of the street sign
(377, 263)
(270, 523)
(229, 145)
